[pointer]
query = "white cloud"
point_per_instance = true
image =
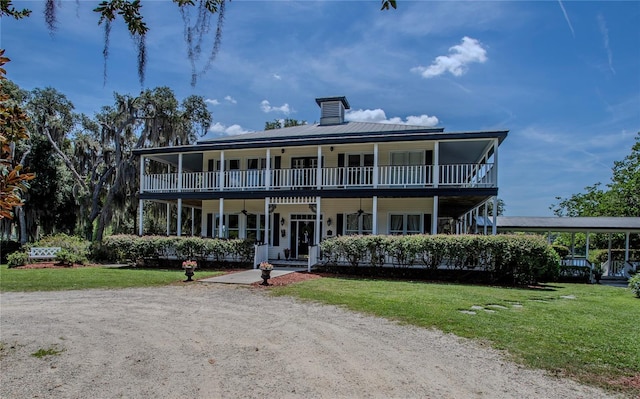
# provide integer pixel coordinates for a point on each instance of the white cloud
(605, 38)
(227, 130)
(566, 17)
(379, 116)
(470, 50)
(266, 108)
(276, 76)
(231, 100)
(212, 101)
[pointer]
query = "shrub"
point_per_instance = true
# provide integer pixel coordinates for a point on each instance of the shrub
(17, 259)
(76, 246)
(634, 285)
(561, 250)
(68, 258)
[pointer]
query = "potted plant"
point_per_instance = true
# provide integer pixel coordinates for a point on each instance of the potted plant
(287, 252)
(189, 267)
(266, 268)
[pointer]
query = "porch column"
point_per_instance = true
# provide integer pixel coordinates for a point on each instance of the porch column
(179, 223)
(220, 218)
(494, 228)
(476, 213)
(573, 245)
(376, 177)
(266, 221)
(317, 232)
(168, 221)
(626, 247)
(140, 217)
(319, 170)
(434, 216)
(485, 218)
(142, 183)
(586, 252)
(609, 260)
(267, 172)
(221, 175)
(193, 221)
(496, 143)
(179, 173)
(436, 164)
(464, 223)
(374, 224)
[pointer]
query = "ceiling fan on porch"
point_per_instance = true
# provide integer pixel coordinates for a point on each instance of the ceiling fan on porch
(244, 209)
(361, 211)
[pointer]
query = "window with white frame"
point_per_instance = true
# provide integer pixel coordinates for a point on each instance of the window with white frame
(230, 226)
(255, 227)
(404, 224)
(359, 224)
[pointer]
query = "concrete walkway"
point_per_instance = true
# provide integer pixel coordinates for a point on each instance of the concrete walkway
(245, 277)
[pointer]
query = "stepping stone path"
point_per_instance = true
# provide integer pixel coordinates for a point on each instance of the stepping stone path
(492, 308)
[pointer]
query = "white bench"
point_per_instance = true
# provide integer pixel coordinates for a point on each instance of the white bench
(43, 252)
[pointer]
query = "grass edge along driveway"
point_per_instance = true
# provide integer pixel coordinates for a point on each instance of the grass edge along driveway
(586, 332)
(61, 279)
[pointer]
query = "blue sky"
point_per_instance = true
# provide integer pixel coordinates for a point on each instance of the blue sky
(563, 77)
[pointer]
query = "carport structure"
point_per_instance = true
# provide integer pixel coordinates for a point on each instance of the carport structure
(587, 225)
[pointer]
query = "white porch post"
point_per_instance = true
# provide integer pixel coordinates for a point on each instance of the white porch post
(317, 232)
(496, 143)
(609, 257)
(179, 222)
(193, 221)
(626, 247)
(267, 172)
(464, 223)
(319, 169)
(376, 177)
(141, 202)
(179, 173)
(573, 245)
(221, 175)
(374, 224)
(476, 213)
(168, 216)
(436, 164)
(586, 254)
(266, 221)
(434, 216)
(494, 228)
(485, 218)
(141, 217)
(220, 218)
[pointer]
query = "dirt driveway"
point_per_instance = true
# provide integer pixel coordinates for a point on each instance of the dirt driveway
(217, 341)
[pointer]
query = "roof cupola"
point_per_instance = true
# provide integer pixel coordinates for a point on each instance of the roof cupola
(332, 110)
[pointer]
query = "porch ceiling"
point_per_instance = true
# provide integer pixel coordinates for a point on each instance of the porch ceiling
(462, 151)
(457, 206)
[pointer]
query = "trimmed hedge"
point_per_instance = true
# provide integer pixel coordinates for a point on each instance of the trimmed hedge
(135, 249)
(516, 259)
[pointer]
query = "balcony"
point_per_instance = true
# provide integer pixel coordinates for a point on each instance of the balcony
(415, 176)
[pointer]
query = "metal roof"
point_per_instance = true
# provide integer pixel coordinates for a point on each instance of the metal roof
(326, 131)
(569, 224)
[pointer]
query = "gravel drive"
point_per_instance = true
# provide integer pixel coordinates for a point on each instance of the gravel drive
(219, 341)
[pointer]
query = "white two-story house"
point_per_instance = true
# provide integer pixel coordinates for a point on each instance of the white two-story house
(290, 188)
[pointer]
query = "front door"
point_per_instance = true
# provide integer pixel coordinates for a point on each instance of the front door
(302, 232)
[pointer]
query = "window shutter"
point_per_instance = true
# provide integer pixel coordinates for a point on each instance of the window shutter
(209, 224)
(339, 224)
(427, 223)
(276, 229)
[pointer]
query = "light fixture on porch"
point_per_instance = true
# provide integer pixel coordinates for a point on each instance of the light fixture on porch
(272, 207)
(282, 222)
(329, 221)
(313, 208)
(331, 148)
(282, 150)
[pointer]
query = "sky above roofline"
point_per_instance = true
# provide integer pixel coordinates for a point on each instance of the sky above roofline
(562, 77)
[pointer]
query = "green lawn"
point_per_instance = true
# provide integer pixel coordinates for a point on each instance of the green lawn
(592, 334)
(89, 277)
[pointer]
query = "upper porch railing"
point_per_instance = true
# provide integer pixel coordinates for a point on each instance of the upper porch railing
(454, 175)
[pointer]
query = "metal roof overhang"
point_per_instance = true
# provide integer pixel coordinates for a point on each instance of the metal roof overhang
(384, 137)
(570, 224)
